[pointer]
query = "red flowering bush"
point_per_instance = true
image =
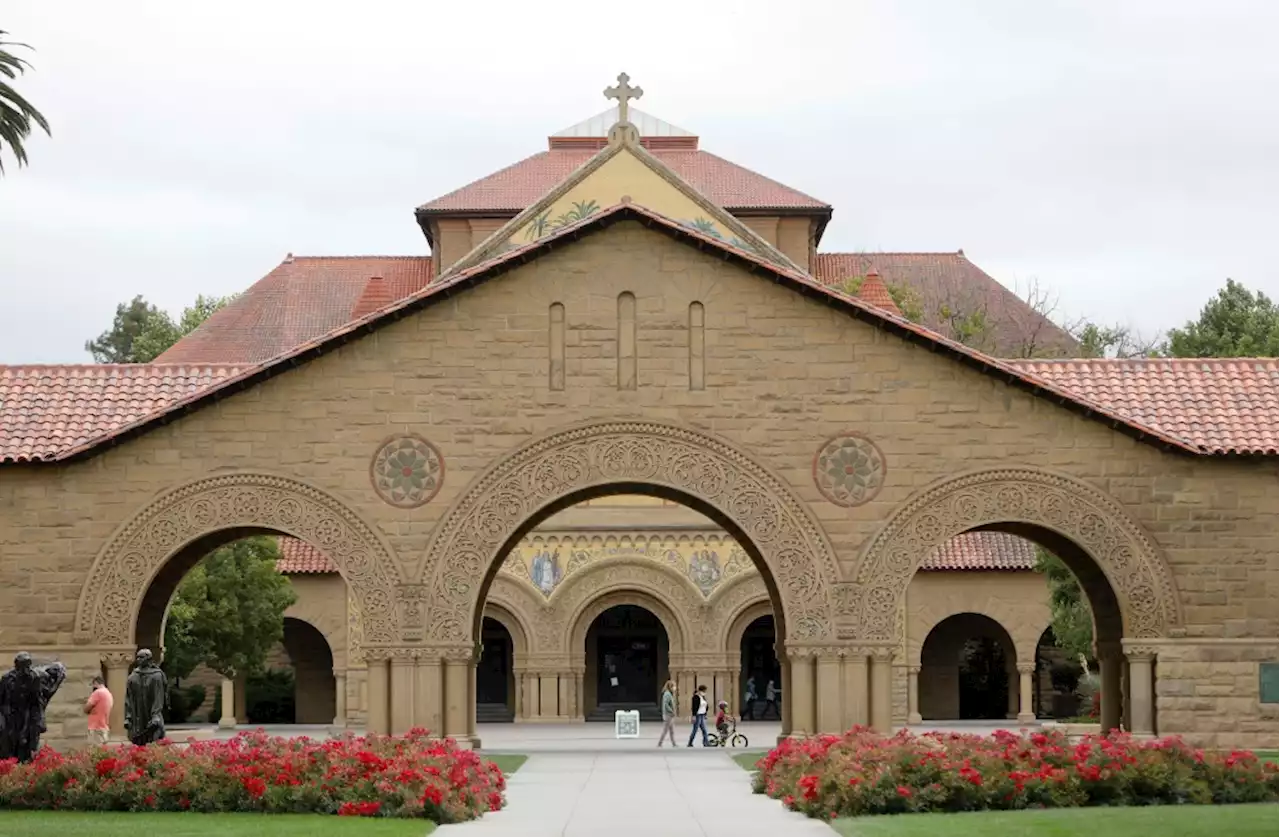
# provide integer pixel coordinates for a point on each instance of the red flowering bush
(410, 776)
(863, 773)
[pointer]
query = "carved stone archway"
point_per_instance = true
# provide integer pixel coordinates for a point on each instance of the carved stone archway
(648, 584)
(670, 619)
(510, 615)
(771, 522)
(113, 593)
(1019, 498)
(742, 594)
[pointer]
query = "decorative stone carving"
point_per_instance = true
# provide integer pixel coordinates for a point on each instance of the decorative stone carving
(849, 469)
(1096, 523)
(473, 534)
(407, 471)
(112, 594)
(411, 606)
(620, 583)
(355, 629)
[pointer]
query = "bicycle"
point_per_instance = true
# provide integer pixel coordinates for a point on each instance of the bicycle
(732, 738)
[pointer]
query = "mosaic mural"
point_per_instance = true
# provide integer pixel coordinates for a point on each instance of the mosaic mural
(406, 471)
(546, 562)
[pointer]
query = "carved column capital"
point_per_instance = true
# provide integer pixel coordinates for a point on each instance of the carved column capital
(883, 654)
(116, 659)
(913, 669)
(1138, 653)
(1026, 668)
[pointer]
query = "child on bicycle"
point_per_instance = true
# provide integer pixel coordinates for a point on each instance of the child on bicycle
(722, 719)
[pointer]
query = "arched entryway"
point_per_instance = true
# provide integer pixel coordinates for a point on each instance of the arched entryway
(761, 673)
(495, 674)
(627, 658)
(967, 671)
(314, 685)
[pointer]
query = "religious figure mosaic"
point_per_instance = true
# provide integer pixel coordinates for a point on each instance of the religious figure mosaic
(407, 471)
(849, 470)
(544, 571)
(704, 570)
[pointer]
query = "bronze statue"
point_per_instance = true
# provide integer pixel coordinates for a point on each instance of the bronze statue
(145, 695)
(25, 691)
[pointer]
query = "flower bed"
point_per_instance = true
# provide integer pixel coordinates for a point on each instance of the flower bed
(863, 773)
(409, 776)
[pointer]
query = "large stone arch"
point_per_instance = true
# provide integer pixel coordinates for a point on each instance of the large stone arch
(1023, 501)
(756, 506)
(244, 503)
(653, 585)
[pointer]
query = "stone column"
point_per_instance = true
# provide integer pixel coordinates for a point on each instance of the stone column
(799, 692)
(377, 688)
(1142, 694)
(339, 697)
(528, 694)
(720, 689)
(735, 692)
(857, 706)
(117, 677)
(548, 689)
(829, 690)
(1011, 685)
(457, 715)
(517, 678)
(882, 690)
(579, 697)
(403, 672)
(427, 693)
(228, 719)
(1110, 662)
(913, 695)
(472, 731)
(1026, 710)
(566, 683)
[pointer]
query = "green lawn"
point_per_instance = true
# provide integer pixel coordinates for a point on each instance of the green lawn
(68, 824)
(1272, 756)
(1166, 821)
(508, 763)
(748, 759)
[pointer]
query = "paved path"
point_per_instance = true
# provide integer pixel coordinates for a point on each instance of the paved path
(658, 793)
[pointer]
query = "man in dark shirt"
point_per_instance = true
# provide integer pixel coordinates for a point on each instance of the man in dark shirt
(699, 715)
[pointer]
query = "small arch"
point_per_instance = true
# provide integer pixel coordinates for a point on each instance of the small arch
(621, 669)
(516, 607)
(968, 670)
(314, 685)
(1128, 581)
(623, 592)
(736, 626)
(137, 565)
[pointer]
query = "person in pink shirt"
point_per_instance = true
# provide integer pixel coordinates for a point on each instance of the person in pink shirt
(98, 708)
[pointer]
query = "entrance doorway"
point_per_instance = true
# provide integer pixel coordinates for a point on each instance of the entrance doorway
(760, 669)
(495, 686)
(626, 663)
(967, 670)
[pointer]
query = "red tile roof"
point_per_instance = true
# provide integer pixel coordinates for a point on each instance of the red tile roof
(876, 292)
(300, 557)
(48, 410)
(1110, 414)
(951, 280)
(726, 184)
(300, 300)
(982, 551)
(1220, 405)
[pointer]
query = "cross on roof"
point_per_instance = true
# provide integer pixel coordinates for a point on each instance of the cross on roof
(622, 92)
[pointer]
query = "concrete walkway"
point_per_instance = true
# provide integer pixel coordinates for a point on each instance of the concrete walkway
(651, 793)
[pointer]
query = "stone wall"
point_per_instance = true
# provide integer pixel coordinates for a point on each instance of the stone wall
(1212, 688)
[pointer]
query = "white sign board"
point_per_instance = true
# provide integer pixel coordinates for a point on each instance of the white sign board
(626, 724)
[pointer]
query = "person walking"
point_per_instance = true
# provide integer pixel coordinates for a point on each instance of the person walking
(668, 713)
(699, 715)
(771, 699)
(98, 708)
(749, 700)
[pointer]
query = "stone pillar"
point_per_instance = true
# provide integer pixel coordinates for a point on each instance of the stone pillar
(228, 719)
(529, 688)
(1126, 690)
(547, 696)
(1011, 686)
(857, 706)
(117, 676)
(799, 692)
(457, 715)
(566, 683)
(403, 672)
(735, 692)
(579, 697)
(1026, 709)
(1142, 694)
(377, 686)
(829, 688)
(339, 697)
(913, 695)
(517, 679)
(1110, 662)
(471, 701)
(720, 689)
(882, 690)
(427, 693)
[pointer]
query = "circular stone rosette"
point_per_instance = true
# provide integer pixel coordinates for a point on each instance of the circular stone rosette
(849, 470)
(407, 471)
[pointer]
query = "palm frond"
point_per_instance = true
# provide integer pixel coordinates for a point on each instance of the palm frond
(16, 113)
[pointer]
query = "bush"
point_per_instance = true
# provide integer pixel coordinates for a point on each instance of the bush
(183, 702)
(863, 773)
(269, 697)
(377, 776)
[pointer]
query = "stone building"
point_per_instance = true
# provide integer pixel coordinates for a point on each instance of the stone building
(625, 315)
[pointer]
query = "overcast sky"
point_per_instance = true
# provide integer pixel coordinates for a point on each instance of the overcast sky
(1124, 154)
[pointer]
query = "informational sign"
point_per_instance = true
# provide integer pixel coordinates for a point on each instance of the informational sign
(1269, 683)
(626, 724)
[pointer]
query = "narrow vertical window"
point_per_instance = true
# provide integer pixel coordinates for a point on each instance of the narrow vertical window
(697, 347)
(556, 373)
(626, 340)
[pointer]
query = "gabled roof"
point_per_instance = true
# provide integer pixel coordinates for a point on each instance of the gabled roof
(298, 301)
(53, 391)
(598, 126)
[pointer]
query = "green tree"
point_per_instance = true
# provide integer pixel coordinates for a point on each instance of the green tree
(1235, 323)
(229, 610)
(1072, 620)
(17, 115)
(906, 298)
(142, 332)
(1112, 341)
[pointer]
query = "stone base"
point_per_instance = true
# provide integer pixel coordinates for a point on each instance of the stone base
(1026, 718)
(914, 718)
